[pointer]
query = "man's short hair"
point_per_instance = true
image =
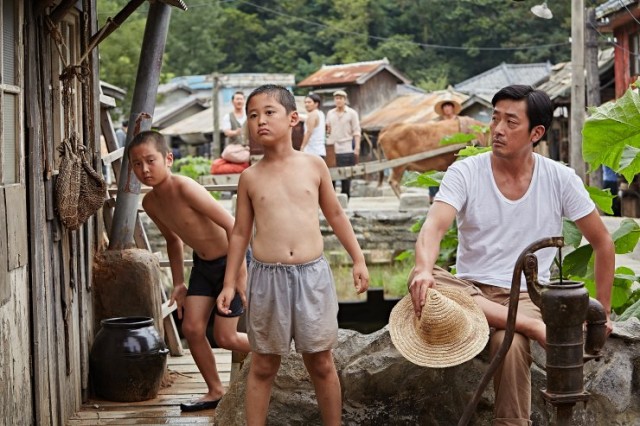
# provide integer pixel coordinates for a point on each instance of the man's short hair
(539, 105)
(340, 93)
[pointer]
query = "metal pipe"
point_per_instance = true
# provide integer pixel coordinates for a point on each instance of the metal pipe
(144, 99)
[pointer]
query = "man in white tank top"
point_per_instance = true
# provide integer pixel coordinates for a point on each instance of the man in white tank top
(503, 201)
(314, 128)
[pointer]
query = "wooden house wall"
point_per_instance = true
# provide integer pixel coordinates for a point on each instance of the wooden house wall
(375, 92)
(46, 317)
(621, 57)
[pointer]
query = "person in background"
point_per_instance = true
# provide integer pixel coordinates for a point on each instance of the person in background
(503, 201)
(343, 129)
(121, 133)
(313, 141)
(233, 123)
(610, 182)
(290, 295)
(447, 109)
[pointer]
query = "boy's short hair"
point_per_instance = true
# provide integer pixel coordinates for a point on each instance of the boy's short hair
(153, 136)
(280, 93)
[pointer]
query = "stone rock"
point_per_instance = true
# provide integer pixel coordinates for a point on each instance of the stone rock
(380, 387)
(343, 200)
(409, 201)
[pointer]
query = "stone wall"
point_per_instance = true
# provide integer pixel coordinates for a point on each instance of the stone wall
(380, 387)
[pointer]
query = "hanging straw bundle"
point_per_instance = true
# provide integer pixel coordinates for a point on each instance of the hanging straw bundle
(80, 191)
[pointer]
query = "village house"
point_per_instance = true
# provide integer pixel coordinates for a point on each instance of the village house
(46, 310)
(368, 85)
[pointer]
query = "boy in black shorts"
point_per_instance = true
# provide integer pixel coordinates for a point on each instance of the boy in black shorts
(186, 213)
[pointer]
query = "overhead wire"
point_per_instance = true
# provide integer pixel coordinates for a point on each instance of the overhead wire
(426, 45)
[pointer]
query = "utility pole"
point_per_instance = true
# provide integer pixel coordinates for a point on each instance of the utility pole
(593, 78)
(216, 149)
(577, 87)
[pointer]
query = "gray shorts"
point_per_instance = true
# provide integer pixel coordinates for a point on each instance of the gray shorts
(291, 302)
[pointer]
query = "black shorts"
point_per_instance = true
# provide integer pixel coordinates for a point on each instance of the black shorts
(207, 279)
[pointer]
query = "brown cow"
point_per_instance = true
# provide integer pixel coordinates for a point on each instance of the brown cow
(403, 139)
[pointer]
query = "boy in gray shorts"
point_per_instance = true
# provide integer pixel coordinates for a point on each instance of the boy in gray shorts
(291, 296)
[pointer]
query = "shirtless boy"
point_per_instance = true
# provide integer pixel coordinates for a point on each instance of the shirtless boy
(196, 219)
(290, 294)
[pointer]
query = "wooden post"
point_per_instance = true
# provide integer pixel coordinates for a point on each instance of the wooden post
(216, 148)
(593, 78)
(577, 87)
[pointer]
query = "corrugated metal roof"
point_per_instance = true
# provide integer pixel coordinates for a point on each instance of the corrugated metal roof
(202, 122)
(612, 6)
(559, 83)
(164, 112)
(413, 108)
(191, 83)
(503, 75)
(356, 73)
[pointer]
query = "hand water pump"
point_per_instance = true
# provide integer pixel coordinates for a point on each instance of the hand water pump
(565, 306)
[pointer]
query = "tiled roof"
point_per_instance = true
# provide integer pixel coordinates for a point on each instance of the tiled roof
(503, 75)
(612, 6)
(351, 74)
(559, 83)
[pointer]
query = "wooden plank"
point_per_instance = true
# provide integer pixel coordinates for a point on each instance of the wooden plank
(5, 285)
(167, 310)
(376, 166)
(17, 237)
(113, 156)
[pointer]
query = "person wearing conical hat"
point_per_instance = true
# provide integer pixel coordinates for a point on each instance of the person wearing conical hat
(502, 201)
(447, 108)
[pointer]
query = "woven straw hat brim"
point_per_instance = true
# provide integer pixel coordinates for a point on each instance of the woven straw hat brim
(456, 106)
(455, 350)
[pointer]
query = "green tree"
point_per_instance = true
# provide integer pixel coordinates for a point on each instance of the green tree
(120, 51)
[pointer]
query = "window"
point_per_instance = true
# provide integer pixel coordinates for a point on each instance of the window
(10, 93)
(634, 54)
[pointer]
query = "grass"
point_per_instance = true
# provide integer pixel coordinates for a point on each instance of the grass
(393, 278)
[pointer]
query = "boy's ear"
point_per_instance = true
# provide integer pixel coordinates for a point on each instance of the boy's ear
(169, 158)
(294, 118)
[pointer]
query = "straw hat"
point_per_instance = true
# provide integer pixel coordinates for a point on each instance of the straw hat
(448, 100)
(451, 330)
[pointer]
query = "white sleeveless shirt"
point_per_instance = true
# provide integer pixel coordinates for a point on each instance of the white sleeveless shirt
(494, 230)
(316, 141)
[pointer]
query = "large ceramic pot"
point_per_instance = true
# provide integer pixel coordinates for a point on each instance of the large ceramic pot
(128, 359)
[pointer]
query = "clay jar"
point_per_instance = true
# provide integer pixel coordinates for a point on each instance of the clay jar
(128, 359)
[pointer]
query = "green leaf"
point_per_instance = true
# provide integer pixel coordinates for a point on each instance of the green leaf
(629, 162)
(602, 197)
(633, 310)
(457, 138)
(427, 179)
(571, 233)
(626, 236)
(611, 128)
(576, 262)
(470, 151)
